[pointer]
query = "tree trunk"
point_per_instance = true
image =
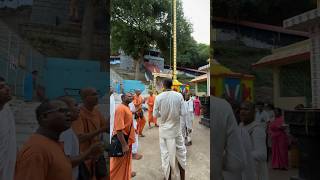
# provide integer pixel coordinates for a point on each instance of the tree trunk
(88, 27)
(138, 61)
(137, 69)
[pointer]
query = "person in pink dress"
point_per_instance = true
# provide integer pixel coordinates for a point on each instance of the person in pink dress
(280, 142)
(197, 107)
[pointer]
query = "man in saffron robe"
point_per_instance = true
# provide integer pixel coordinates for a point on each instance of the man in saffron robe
(42, 156)
(138, 101)
(89, 125)
(151, 118)
(120, 167)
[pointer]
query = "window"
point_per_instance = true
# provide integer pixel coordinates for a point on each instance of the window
(295, 80)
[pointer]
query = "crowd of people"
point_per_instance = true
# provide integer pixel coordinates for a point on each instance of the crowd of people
(68, 144)
(245, 138)
(170, 111)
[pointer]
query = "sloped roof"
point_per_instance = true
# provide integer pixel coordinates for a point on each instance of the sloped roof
(295, 52)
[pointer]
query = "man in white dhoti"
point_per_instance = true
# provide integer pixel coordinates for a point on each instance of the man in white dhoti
(169, 107)
(258, 140)
(112, 110)
(229, 158)
(183, 122)
(8, 146)
(190, 114)
(135, 145)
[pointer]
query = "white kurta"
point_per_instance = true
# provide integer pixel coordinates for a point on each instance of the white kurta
(259, 149)
(169, 107)
(248, 173)
(135, 145)
(262, 117)
(228, 159)
(8, 146)
(71, 147)
(183, 121)
(112, 113)
(190, 112)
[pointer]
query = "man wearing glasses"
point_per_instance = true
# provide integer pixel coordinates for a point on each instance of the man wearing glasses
(7, 134)
(42, 156)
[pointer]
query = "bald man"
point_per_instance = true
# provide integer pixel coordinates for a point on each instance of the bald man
(138, 101)
(90, 121)
(71, 142)
(42, 156)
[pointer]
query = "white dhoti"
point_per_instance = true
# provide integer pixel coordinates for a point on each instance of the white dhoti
(173, 151)
(183, 125)
(189, 124)
(136, 143)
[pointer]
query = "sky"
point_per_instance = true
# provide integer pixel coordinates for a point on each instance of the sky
(198, 13)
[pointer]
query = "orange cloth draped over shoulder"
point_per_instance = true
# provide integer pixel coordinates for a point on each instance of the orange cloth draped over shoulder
(88, 122)
(137, 101)
(151, 118)
(42, 158)
(120, 167)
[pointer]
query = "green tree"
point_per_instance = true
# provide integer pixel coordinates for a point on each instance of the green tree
(143, 24)
(136, 26)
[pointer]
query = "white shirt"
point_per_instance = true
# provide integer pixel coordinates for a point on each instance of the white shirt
(112, 113)
(262, 117)
(259, 149)
(271, 115)
(190, 106)
(71, 147)
(8, 145)
(168, 107)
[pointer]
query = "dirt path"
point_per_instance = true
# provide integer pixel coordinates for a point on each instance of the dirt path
(198, 155)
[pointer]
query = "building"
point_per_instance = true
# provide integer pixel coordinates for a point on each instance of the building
(291, 74)
(202, 82)
(252, 34)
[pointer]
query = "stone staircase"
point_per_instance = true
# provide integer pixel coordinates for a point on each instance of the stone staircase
(25, 118)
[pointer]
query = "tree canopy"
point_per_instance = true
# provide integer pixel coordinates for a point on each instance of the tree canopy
(140, 25)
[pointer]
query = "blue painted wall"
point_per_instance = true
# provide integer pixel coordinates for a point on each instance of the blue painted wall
(61, 74)
(130, 86)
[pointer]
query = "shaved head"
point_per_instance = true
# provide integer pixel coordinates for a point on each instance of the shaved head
(85, 92)
(89, 97)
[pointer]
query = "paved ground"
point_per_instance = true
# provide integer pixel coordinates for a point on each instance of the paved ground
(198, 155)
(282, 175)
(149, 168)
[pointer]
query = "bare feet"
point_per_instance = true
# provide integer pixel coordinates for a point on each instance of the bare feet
(141, 135)
(133, 174)
(137, 156)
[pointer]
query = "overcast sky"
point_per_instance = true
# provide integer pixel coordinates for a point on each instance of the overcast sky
(198, 13)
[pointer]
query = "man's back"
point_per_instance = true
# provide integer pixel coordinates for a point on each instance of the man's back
(168, 106)
(228, 152)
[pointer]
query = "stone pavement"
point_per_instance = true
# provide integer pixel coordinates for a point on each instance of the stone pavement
(198, 155)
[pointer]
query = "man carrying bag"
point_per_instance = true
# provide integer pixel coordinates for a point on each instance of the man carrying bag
(123, 135)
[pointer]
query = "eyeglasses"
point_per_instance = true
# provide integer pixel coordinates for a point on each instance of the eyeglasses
(61, 110)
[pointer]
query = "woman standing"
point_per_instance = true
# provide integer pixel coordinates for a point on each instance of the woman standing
(280, 142)
(197, 107)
